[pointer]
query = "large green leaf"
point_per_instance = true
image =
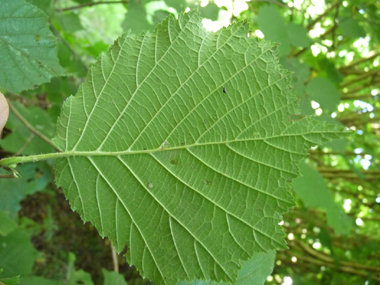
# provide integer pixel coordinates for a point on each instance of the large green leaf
(28, 49)
(182, 144)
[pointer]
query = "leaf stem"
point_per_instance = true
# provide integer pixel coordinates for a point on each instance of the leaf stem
(91, 4)
(30, 127)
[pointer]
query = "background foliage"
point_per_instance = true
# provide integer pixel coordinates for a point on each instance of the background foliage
(332, 48)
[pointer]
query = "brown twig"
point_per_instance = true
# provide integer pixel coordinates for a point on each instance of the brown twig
(360, 77)
(91, 4)
(273, 2)
(24, 145)
(114, 258)
(357, 96)
(326, 258)
(335, 26)
(7, 176)
(340, 268)
(316, 20)
(359, 61)
(301, 51)
(31, 128)
(316, 152)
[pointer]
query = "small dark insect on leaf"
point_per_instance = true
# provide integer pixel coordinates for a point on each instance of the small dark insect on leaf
(224, 89)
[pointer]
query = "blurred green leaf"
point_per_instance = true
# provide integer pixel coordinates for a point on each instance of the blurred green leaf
(69, 21)
(312, 190)
(159, 16)
(17, 254)
(44, 5)
(7, 224)
(70, 61)
(21, 139)
(211, 11)
(9, 281)
(136, 18)
(298, 35)
(113, 278)
(179, 5)
(28, 48)
(74, 276)
(37, 280)
(34, 178)
(323, 91)
(272, 25)
(351, 28)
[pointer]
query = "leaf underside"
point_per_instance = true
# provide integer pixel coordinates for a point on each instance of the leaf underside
(182, 144)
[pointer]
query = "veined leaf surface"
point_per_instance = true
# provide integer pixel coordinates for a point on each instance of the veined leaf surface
(181, 144)
(28, 50)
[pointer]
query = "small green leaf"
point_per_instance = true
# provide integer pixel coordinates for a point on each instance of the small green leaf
(34, 178)
(28, 48)
(312, 189)
(136, 18)
(113, 278)
(15, 244)
(211, 11)
(7, 225)
(272, 25)
(351, 28)
(69, 22)
(298, 35)
(75, 277)
(181, 144)
(323, 91)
